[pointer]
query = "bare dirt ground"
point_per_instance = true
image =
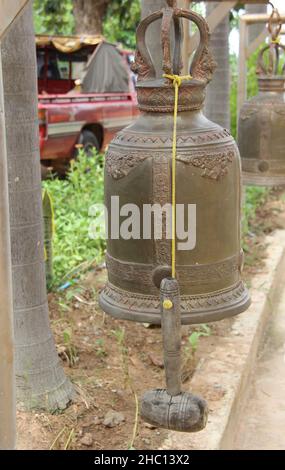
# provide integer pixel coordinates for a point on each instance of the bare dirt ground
(112, 362)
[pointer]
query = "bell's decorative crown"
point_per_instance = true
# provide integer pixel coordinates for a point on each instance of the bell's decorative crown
(154, 93)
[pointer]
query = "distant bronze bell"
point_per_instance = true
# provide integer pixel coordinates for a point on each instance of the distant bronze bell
(261, 129)
(138, 171)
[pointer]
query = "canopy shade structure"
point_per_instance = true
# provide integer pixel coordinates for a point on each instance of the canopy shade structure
(98, 65)
(106, 71)
(68, 44)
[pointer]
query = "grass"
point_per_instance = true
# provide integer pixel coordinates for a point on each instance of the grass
(72, 198)
(254, 198)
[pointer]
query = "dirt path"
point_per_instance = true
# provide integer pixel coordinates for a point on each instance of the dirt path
(263, 422)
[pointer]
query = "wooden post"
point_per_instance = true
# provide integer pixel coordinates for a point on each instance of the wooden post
(186, 5)
(153, 33)
(217, 15)
(7, 385)
(242, 81)
(8, 11)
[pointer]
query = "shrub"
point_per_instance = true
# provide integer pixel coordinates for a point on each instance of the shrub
(72, 198)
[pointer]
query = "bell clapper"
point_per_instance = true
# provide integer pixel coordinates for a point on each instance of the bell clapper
(172, 408)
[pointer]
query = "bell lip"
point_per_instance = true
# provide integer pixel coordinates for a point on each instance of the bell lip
(187, 318)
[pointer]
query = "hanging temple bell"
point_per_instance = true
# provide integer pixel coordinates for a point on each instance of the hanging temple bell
(261, 129)
(208, 174)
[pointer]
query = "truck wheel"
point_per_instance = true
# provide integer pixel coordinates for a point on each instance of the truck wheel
(89, 141)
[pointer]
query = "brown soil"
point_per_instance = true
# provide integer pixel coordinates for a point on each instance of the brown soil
(111, 361)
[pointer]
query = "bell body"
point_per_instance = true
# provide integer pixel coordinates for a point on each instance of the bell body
(138, 173)
(138, 170)
(261, 134)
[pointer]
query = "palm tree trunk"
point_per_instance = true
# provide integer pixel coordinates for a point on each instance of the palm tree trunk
(217, 106)
(39, 375)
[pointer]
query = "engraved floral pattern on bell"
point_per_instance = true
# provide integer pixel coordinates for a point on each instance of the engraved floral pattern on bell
(138, 170)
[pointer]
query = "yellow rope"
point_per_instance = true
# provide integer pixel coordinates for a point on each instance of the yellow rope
(276, 41)
(177, 82)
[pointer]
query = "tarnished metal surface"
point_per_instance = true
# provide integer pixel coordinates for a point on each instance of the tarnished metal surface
(138, 170)
(261, 130)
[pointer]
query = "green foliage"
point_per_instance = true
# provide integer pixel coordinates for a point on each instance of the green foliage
(100, 348)
(70, 352)
(252, 86)
(121, 21)
(72, 198)
(53, 17)
(193, 340)
(255, 196)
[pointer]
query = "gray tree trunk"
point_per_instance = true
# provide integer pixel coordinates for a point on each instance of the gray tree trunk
(153, 32)
(255, 29)
(89, 15)
(39, 376)
(217, 105)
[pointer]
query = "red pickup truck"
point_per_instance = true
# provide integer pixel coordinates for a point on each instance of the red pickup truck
(86, 94)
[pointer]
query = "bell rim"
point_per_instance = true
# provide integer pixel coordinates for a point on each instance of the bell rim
(195, 316)
(250, 179)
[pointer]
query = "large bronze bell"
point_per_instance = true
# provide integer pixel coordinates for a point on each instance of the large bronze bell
(138, 171)
(261, 129)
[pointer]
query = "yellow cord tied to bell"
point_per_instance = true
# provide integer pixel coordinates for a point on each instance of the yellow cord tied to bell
(177, 82)
(276, 41)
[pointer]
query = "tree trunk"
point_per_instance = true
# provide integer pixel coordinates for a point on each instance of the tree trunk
(217, 106)
(153, 33)
(255, 29)
(39, 376)
(89, 15)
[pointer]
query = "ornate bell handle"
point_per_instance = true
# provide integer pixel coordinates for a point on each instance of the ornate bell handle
(168, 17)
(144, 64)
(272, 68)
(274, 24)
